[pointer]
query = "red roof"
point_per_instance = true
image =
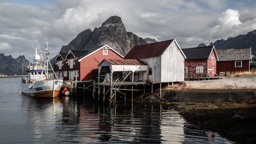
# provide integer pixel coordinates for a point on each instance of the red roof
(124, 62)
(148, 50)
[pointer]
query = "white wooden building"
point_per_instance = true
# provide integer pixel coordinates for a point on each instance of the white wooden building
(122, 70)
(165, 60)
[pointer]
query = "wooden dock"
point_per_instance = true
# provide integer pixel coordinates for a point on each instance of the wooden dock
(107, 92)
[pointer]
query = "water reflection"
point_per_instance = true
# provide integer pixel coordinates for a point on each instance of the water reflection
(70, 120)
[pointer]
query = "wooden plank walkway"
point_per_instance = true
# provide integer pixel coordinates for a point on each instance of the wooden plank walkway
(121, 84)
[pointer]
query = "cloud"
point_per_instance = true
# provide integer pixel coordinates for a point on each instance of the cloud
(5, 46)
(227, 23)
(229, 18)
(189, 22)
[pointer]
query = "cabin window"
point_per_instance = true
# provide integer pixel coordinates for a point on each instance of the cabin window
(105, 52)
(199, 69)
(186, 69)
(238, 63)
(65, 74)
(150, 71)
(76, 73)
(71, 63)
(60, 64)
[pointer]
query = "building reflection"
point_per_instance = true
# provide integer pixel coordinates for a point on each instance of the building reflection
(68, 119)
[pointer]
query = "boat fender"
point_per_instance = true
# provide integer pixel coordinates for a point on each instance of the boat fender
(67, 93)
(64, 90)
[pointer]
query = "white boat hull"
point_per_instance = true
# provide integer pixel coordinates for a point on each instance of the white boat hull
(46, 89)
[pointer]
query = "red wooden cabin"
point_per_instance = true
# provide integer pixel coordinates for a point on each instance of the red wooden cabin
(200, 62)
(234, 60)
(82, 64)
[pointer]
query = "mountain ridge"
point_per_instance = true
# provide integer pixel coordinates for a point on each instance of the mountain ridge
(240, 41)
(112, 32)
(11, 66)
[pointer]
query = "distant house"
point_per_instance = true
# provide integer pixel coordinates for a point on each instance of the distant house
(234, 60)
(82, 64)
(165, 60)
(200, 62)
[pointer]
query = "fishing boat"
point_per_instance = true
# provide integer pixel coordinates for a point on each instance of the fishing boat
(41, 80)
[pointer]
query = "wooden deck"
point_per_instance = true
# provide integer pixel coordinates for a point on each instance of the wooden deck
(121, 84)
(202, 78)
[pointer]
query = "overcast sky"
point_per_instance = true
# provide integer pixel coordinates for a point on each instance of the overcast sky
(27, 23)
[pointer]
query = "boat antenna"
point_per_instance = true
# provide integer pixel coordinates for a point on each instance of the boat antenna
(47, 57)
(41, 54)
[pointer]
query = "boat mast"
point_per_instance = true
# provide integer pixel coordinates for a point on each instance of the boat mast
(47, 58)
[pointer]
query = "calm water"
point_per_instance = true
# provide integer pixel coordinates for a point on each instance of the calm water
(66, 120)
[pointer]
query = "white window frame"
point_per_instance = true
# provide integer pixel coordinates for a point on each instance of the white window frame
(199, 69)
(238, 66)
(71, 63)
(105, 52)
(77, 73)
(186, 69)
(65, 74)
(60, 64)
(60, 74)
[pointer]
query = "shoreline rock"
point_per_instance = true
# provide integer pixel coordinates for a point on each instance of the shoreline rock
(234, 121)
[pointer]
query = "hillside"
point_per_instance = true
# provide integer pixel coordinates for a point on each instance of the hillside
(11, 66)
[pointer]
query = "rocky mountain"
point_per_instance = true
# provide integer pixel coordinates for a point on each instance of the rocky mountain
(11, 66)
(201, 45)
(112, 32)
(150, 40)
(240, 41)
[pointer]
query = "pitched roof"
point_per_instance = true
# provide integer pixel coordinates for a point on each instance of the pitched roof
(93, 50)
(198, 52)
(63, 55)
(234, 54)
(124, 62)
(79, 53)
(148, 50)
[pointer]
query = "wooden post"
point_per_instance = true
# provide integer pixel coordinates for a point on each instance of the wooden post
(152, 87)
(144, 89)
(160, 90)
(93, 92)
(172, 84)
(98, 91)
(83, 87)
(104, 94)
(132, 84)
(111, 85)
(115, 95)
(99, 83)
(132, 93)
(125, 95)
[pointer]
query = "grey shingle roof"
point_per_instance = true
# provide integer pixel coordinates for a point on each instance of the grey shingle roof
(198, 52)
(80, 53)
(234, 54)
(63, 55)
